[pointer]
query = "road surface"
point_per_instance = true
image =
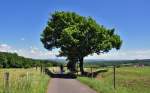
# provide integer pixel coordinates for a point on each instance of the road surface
(62, 85)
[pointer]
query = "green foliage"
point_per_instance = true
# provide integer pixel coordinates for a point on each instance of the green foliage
(78, 36)
(12, 60)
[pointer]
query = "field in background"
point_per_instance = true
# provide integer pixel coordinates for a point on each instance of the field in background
(128, 80)
(24, 81)
(56, 69)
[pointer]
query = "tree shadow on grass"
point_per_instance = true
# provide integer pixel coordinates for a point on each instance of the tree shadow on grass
(94, 74)
(66, 76)
(73, 76)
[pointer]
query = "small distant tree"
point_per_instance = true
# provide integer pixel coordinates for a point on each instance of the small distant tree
(3, 61)
(77, 37)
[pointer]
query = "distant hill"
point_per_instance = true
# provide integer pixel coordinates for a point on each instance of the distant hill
(109, 62)
(12, 60)
(145, 62)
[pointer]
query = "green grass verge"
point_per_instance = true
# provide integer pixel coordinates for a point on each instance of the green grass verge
(24, 81)
(128, 80)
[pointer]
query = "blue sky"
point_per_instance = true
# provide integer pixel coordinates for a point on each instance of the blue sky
(22, 22)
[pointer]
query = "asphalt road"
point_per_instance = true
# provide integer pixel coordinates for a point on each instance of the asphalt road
(61, 85)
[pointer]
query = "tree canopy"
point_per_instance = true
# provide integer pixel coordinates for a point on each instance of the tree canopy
(77, 37)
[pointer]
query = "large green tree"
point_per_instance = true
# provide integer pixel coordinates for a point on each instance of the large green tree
(77, 37)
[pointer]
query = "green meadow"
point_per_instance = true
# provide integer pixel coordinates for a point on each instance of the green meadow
(128, 80)
(23, 81)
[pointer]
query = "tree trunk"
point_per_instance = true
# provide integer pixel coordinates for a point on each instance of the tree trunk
(71, 65)
(81, 65)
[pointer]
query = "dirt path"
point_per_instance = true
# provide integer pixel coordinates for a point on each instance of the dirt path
(61, 85)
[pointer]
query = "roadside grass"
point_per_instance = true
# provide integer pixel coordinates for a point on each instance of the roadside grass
(128, 80)
(24, 81)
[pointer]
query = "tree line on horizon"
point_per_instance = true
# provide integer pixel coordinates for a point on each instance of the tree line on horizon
(13, 60)
(118, 63)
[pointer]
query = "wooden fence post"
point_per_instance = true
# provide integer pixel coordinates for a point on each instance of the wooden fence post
(36, 67)
(53, 70)
(91, 72)
(41, 69)
(114, 67)
(44, 70)
(27, 76)
(77, 68)
(6, 82)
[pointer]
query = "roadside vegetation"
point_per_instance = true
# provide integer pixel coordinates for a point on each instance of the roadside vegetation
(26, 75)
(128, 80)
(23, 81)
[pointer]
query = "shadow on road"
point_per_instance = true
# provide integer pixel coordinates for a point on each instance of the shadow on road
(66, 76)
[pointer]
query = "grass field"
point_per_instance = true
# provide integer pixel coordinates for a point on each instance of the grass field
(128, 80)
(24, 81)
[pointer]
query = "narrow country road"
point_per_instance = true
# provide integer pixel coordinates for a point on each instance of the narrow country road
(61, 85)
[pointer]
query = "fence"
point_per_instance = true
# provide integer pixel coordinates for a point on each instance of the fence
(20, 80)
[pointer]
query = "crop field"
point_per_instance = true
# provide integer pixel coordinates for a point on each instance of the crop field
(23, 81)
(128, 80)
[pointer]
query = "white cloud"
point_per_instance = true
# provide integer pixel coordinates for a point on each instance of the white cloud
(129, 54)
(31, 52)
(5, 48)
(34, 52)
(22, 39)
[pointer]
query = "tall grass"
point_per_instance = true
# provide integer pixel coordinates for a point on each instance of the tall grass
(24, 81)
(128, 80)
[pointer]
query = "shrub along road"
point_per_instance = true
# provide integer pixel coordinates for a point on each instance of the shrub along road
(62, 85)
